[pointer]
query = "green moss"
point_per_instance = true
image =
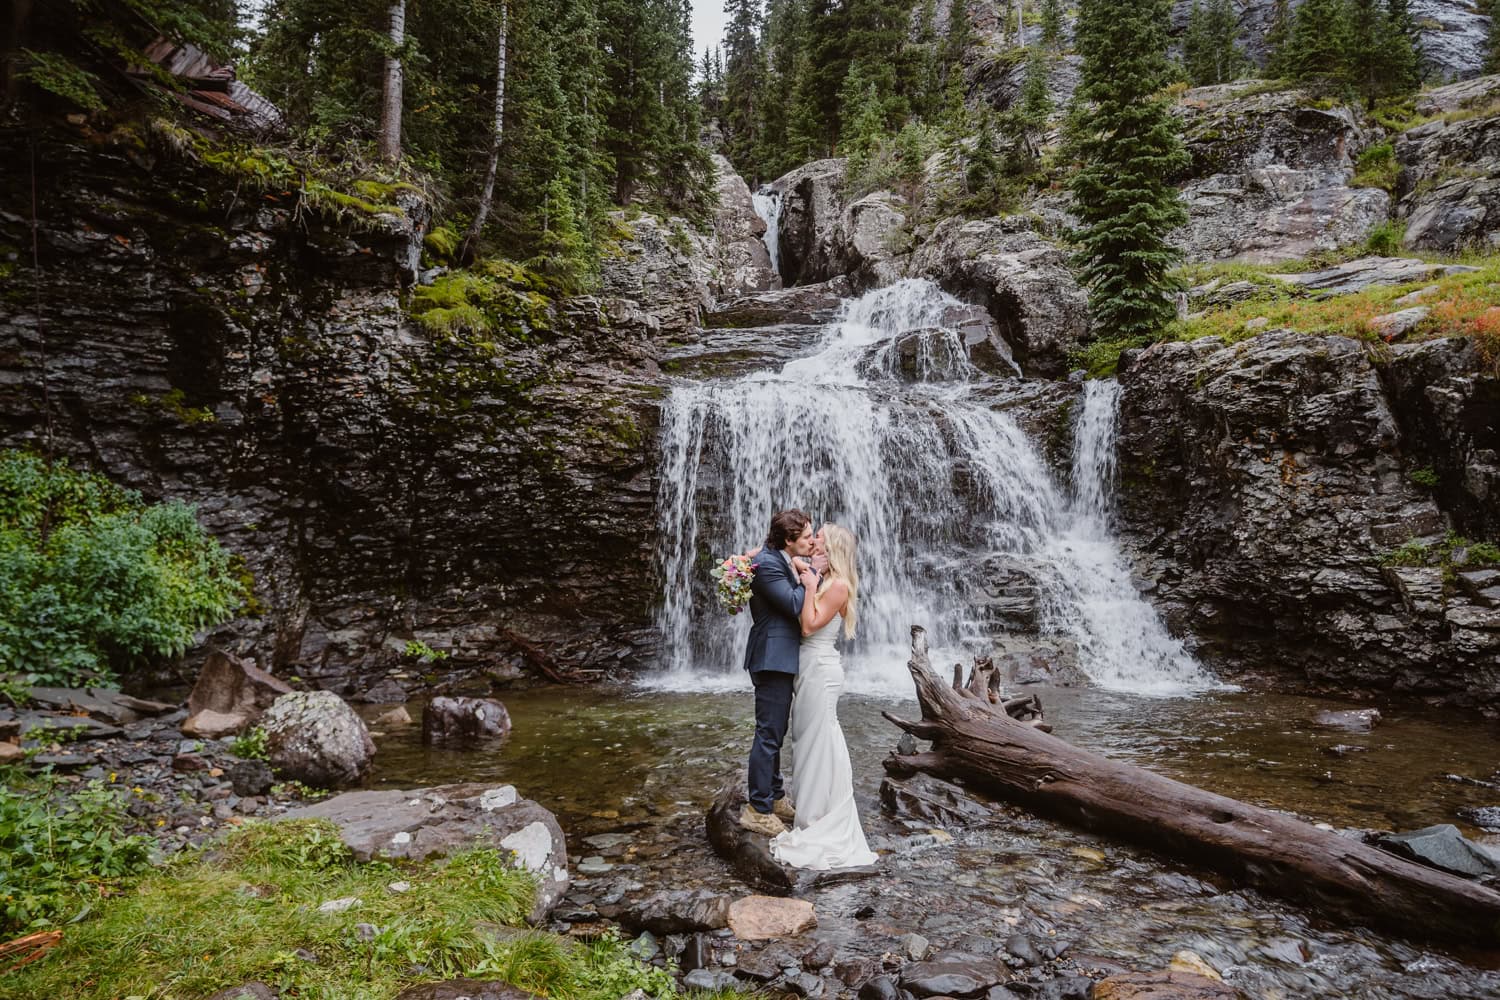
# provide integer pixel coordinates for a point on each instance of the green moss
(1424, 477)
(442, 243)
(174, 402)
(496, 301)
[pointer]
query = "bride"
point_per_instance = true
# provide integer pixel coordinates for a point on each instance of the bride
(826, 833)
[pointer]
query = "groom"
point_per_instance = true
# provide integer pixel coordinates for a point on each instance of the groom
(771, 657)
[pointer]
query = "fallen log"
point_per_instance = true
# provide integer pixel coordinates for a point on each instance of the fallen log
(977, 741)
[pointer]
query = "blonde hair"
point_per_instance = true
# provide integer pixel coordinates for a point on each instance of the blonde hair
(841, 551)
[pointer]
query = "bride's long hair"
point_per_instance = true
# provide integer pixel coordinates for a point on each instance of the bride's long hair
(841, 552)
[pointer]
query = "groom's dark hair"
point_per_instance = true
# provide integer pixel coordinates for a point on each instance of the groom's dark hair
(786, 525)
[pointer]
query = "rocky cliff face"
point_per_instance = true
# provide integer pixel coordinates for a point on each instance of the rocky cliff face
(250, 354)
(1292, 498)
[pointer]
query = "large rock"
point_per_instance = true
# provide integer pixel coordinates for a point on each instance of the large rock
(464, 720)
(684, 911)
(812, 241)
(1443, 847)
(100, 704)
(1167, 984)
(1021, 278)
(229, 695)
(1270, 177)
(438, 821)
(667, 267)
(1369, 272)
(744, 261)
(1265, 486)
(876, 240)
(952, 975)
(1450, 185)
(763, 918)
(314, 737)
(932, 800)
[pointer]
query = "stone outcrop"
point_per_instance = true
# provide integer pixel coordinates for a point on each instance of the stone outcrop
(250, 355)
(876, 240)
(314, 737)
(1022, 279)
(812, 216)
(1268, 486)
(1450, 184)
(438, 821)
(744, 264)
(669, 268)
(229, 695)
(1270, 177)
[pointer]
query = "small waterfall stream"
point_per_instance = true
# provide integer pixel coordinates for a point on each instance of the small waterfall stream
(767, 202)
(960, 522)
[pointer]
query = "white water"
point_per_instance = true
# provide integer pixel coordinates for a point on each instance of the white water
(768, 206)
(953, 506)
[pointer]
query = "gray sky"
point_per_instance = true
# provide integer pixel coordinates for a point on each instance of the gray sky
(708, 23)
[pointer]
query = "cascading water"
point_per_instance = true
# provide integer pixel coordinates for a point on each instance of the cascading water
(884, 429)
(767, 202)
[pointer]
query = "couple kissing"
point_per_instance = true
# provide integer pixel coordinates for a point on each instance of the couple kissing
(806, 585)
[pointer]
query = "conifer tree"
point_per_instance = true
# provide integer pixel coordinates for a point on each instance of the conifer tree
(1210, 49)
(1317, 53)
(743, 72)
(1052, 23)
(1130, 149)
(1492, 63)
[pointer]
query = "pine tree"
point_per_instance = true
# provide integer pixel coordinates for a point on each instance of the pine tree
(1278, 40)
(1036, 99)
(1210, 49)
(743, 72)
(1403, 47)
(1492, 63)
(1317, 54)
(1052, 23)
(1127, 138)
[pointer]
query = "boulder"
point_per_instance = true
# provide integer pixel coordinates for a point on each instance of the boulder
(1270, 177)
(315, 738)
(812, 242)
(1443, 847)
(876, 241)
(665, 266)
(764, 918)
(250, 777)
(744, 261)
(1369, 272)
(1450, 185)
(229, 695)
(805, 304)
(953, 975)
(428, 822)
(464, 989)
(1358, 720)
(676, 912)
(1022, 280)
(464, 720)
(1166, 984)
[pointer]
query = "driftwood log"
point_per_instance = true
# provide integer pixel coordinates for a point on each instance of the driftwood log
(974, 739)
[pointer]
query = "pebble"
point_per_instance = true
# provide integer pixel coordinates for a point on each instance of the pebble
(915, 947)
(398, 887)
(339, 905)
(706, 979)
(594, 866)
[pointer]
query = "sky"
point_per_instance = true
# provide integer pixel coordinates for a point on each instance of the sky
(708, 24)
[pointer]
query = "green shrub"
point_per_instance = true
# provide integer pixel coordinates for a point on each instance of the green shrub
(93, 579)
(1424, 477)
(1385, 240)
(250, 745)
(1378, 168)
(418, 649)
(60, 850)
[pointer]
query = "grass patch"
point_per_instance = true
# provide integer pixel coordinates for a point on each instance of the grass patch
(1450, 555)
(1378, 168)
(246, 908)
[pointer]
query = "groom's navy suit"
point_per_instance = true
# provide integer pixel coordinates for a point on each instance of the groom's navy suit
(771, 657)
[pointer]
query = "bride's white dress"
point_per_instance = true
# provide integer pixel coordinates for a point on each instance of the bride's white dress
(827, 833)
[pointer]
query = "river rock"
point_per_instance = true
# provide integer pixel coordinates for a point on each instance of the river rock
(1164, 985)
(1019, 277)
(711, 981)
(1450, 184)
(464, 989)
(955, 976)
(932, 800)
(763, 918)
(744, 262)
(1270, 176)
(314, 737)
(441, 820)
(1356, 720)
(396, 717)
(1444, 847)
(229, 695)
(812, 240)
(386, 691)
(464, 720)
(100, 704)
(1487, 818)
(683, 911)
(880, 988)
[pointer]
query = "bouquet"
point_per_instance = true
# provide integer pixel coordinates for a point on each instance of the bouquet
(734, 575)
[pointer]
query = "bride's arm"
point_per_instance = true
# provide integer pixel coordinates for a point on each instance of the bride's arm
(816, 611)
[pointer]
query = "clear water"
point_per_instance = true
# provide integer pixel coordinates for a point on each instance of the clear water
(882, 429)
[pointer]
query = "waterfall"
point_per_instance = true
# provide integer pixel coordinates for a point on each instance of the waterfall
(1094, 440)
(767, 203)
(884, 429)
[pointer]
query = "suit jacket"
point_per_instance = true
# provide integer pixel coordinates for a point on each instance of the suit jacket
(776, 607)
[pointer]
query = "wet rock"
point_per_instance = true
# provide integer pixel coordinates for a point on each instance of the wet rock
(1192, 962)
(818, 956)
(386, 691)
(762, 918)
(812, 240)
(1163, 985)
(954, 977)
(749, 853)
(1487, 818)
(804, 984)
(229, 695)
(464, 989)
(315, 738)
(914, 947)
(880, 988)
(464, 720)
(397, 716)
(1020, 278)
(1443, 847)
(1023, 950)
(932, 800)
(807, 305)
(876, 239)
(681, 911)
(695, 953)
(709, 980)
(247, 991)
(1358, 720)
(744, 263)
(441, 820)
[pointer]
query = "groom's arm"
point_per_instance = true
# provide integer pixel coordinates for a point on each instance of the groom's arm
(772, 585)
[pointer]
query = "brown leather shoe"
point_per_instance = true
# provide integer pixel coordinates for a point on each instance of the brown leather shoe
(765, 824)
(782, 810)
